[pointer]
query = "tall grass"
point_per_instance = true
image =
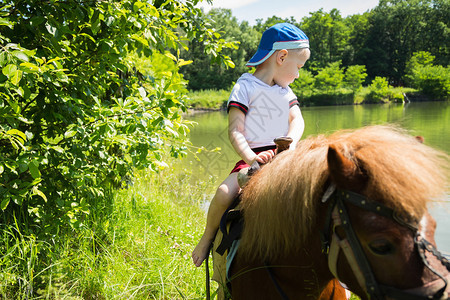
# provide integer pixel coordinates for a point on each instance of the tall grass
(138, 248)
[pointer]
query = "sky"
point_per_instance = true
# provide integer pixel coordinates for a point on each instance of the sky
(250, 10)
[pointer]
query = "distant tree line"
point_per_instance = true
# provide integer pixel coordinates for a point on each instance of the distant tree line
(383, 40)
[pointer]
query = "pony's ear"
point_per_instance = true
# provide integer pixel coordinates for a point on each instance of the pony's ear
(344, 172)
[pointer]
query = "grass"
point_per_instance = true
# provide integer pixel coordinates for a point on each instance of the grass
(137, 249)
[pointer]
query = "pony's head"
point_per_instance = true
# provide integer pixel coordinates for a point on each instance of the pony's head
(283, 208)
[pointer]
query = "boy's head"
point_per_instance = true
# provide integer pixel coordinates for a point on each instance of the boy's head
(279, 36)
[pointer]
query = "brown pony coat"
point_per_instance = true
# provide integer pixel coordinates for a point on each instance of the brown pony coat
(280, 202)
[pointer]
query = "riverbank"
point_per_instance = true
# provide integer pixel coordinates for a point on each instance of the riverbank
(214, 100)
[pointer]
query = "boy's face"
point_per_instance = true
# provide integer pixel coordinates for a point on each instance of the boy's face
(290, 63)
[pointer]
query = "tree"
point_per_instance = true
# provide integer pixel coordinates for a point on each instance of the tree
(303, 85)
(201, 74)
(77, 113)
(330, 78)
(432, 80)
(399, 28)
(354, 77)
(358, 26)
(328, 36)
(379, 88)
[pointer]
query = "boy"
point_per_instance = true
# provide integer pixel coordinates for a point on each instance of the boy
(261, 107)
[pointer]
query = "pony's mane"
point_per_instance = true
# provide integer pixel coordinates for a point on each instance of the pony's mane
(281, 201)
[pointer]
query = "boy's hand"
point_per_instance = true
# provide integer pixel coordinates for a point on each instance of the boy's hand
(265, 156)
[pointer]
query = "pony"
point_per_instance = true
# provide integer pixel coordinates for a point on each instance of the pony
(350, 206)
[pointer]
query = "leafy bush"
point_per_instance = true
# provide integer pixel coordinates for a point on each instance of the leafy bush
(354, 77)
(338, 97)
(208, 99)
(303, 86)
(429, 79)
(329, 78)
(379, 90)
(78, 114)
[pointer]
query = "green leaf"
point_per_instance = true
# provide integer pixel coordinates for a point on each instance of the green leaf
(23, 167)
(17, 133)
(57, 149)
(20, 55)
(17, 76)
(9, 70)
(70, 133)
(34, 169)
(95, 22)
(3, 58)
(38, 192)
(37, 20)
(110, 20)
(171, 56)
(183, 62)
(5, 203)
(2, 168)
(29, 67)
(52, 30)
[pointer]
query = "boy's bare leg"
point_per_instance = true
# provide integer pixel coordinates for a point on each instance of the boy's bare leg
(223, 198)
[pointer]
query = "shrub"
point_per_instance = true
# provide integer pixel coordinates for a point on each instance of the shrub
(303, 85)
(379, 90)
(329, 78)
(338, 97)
(429, 79)
(354, 77)
(79, 109)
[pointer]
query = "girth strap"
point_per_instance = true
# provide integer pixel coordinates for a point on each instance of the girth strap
(275, 282)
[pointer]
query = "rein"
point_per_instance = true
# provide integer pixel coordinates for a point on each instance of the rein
(337, 215)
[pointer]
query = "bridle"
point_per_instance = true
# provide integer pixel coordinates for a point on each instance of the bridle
(332, 244)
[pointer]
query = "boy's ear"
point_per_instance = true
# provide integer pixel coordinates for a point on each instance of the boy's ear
(281, 56)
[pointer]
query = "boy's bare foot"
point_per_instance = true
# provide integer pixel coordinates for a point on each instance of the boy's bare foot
(201, 251)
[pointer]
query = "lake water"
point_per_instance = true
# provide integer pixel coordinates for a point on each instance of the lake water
(430, 120)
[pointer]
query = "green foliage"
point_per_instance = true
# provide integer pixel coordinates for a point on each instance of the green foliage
(208, 99)
(382, 39)
(78, 112)
(400, 28)
(303, 86)
(340, 96)
(240, 40)
(329, 78)
(328, 35)
(139, 249)
(354, 77)
(429, 79)
(379, 90)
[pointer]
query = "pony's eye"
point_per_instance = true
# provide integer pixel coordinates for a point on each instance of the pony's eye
(381, 247)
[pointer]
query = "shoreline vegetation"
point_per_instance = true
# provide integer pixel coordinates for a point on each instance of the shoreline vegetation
(216, 100)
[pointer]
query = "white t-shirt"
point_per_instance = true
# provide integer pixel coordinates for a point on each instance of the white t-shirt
(266, 109)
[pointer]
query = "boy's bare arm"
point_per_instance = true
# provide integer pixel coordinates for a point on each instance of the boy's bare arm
(236, 125)
(236, 120)
(296, 125)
